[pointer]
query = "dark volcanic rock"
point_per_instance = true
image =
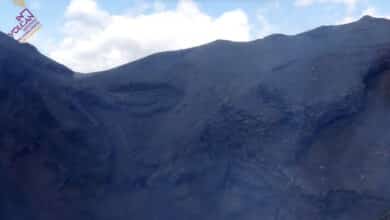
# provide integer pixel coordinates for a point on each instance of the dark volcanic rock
(286, 127)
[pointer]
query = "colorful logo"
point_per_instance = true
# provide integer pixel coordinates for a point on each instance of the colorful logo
(27, 25)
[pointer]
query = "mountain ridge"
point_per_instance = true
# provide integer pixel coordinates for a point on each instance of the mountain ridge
(287, 127)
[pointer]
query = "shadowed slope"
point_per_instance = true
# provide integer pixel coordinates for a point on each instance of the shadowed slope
(286, 127)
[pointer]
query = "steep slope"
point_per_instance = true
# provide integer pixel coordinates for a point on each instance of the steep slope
(48, 150)
(286, 127)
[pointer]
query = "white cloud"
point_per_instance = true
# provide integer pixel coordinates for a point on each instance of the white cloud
(94, 39)
(262, 26)
(352, 14)
(265, 27)
(349, 3)
(371, 11)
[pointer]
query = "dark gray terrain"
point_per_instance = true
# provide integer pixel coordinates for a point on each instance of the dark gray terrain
(282, 128)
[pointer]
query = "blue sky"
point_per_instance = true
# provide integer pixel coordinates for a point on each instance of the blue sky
(93, 35)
